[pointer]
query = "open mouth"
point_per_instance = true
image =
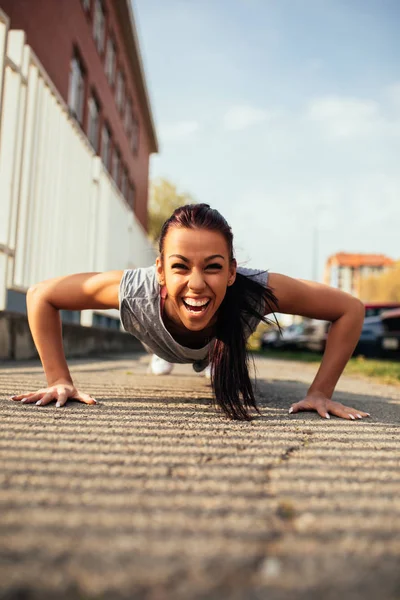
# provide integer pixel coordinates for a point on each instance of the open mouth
(196, 306)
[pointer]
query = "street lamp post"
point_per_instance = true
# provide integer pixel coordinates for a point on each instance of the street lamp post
(315, 240)
(315, 252)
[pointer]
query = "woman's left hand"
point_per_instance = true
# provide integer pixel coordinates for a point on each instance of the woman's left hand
(323, 406)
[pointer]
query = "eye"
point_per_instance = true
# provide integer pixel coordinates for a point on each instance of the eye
(179, 266)
(215, 266)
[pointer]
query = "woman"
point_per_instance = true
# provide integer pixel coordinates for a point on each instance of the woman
(195, 306)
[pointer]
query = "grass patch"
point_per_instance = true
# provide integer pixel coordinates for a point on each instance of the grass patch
(385, 371)
(290, 355)
(380, 370)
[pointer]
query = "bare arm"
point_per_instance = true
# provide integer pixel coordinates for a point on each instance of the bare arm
(318, 301)
(72, 292)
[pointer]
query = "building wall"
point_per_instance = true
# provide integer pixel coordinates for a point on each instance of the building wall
(51, 182)
(344, 270)
(54, 28)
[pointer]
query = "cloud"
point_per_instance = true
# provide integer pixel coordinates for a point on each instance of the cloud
(178, 132)
(242, 117)
(345, 117)
(393, 94)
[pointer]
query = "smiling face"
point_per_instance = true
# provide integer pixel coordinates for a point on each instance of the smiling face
(196, 270)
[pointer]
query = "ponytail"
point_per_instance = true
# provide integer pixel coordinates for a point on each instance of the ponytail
(230, 378)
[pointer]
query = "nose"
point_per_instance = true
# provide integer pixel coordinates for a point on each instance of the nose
(196, 281)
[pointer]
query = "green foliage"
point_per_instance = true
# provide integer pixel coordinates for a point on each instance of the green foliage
(164, 199)
(254, 341)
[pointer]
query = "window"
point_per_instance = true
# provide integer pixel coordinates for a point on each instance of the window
(135, 136)
(76, 93)
(86, 5)
(124, 182)
(111, 55)
(120, 91)
(106, 146)
(116, 160)
(131, 195)
(111, 158)
(93, 122)
(128, 117)
(99, 25)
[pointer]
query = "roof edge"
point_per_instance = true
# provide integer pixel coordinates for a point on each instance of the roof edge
(154, 146)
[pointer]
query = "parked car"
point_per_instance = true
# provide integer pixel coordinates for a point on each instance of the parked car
(380, 336)
(390, 342)
(370, 342)
(374, 309)
(292, 338)
(316, 332)
(269, 339)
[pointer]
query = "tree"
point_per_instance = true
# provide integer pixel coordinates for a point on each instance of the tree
(382, 288)
(164, 199)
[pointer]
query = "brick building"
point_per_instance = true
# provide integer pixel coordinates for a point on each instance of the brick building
(344, 270)
(90, 50)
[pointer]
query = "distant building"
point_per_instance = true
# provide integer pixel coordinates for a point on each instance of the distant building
(90, 51)
(344, 270)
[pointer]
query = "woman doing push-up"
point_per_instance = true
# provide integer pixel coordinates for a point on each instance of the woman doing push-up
(196, 306)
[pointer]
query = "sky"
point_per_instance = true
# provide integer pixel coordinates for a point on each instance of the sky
(285, 116)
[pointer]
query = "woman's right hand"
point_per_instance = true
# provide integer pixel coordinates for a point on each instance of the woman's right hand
(60, 392)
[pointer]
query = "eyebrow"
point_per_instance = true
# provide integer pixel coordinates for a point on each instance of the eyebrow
(206, 260)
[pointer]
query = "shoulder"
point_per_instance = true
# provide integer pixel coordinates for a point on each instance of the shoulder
(259, 275)
(139, 282)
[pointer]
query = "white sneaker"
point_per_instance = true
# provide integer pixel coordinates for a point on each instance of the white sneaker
(205, 372)
(159, 366)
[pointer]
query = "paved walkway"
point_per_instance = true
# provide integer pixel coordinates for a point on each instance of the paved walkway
(151, 495)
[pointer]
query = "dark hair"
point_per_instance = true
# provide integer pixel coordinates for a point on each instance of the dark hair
(233, 391)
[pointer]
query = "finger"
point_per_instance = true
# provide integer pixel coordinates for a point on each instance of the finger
(358, 414)
(82, 397)
(62, 399)
(322, 411)
(46, 399)
(23, 396)
(32, 397)
(297, 407)
(343, 412)
(18, 397)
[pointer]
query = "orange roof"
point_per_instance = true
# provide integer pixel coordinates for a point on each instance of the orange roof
(345, 259)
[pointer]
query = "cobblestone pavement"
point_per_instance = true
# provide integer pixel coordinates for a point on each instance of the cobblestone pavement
(153, 495)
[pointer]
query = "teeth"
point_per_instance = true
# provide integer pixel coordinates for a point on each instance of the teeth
(192, 302)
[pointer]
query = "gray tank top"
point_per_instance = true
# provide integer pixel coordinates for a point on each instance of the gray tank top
(140, 313)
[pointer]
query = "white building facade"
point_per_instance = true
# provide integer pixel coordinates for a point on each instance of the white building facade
(60, 210)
